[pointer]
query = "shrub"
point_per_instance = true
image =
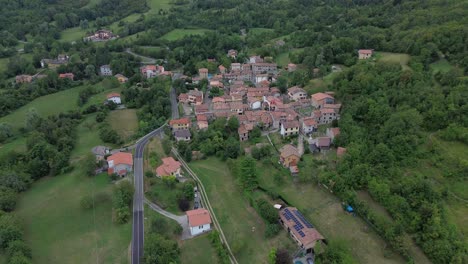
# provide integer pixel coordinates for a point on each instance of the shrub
(272, 230)
(184, 204)
(87, 202)
(149, 174)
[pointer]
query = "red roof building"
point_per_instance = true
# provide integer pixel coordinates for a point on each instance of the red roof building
(120, 163)
(199, 221)
(67, 75)
(170, 167)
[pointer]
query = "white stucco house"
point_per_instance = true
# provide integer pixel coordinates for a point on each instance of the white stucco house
(199, 221)
(114, 97)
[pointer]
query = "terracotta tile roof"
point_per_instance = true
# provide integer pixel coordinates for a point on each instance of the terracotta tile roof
(365, 51)
(323, 142)
(221, 67)
(335, 107)
(121, 158)
(334, 131)
(204, 70)
(201, 108)
(198, 217)
(291, 124)
(309, 121)
(288, 150)
(149, 68)
(202, 118)
(195, 93)
(327, 111)
(181, 121)
(296, 89)
(183, 97)
(340, 151)
(169, 166)
(218, 99)
(221, 106)
(321, 96)
(307, 235)
(113, 95)
(242, 129)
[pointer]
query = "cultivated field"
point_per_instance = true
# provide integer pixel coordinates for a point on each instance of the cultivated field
(59, 230)
(125, 122)
(243, 227)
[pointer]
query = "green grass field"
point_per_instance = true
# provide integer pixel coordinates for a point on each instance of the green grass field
(321, 84)
(441, 66)
(243, 227)
(164, 196)
(181, 33)
(3, 64)
(59, 230)
(260, 30)
(92, 3)
(198, 250)
(415, 251)
(125, 122)
(283, 58)
(46, 105)
(325, 212)
(400, 58)
(156, 5)
(455, 204)
(72, 34)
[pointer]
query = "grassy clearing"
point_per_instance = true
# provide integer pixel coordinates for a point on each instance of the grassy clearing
(243, 227)
(198, 250)
(101, 96)
(400, 58)
(321, 84)
(125, 122)
(59, 230)
(18, 145)
(324, 211)
(3, 64)
(156, 5)
(260, 30)
(283, 58)
(456, 209)
(441, 66)
(51, 104)
(181, 33)
(415, 251)
(92, 3)
(72, 34)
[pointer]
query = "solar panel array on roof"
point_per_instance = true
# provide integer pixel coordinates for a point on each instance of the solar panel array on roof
(298, 214)
(299, 225)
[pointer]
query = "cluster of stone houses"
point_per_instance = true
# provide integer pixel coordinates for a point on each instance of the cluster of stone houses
(101, 35)
(62, 59)
(262, 106)
(181, 129)
(255, 71)
(151, 71)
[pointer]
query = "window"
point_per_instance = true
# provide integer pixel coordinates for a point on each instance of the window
(200, 227)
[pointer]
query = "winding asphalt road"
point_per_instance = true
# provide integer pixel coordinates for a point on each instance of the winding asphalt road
(138, 197)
